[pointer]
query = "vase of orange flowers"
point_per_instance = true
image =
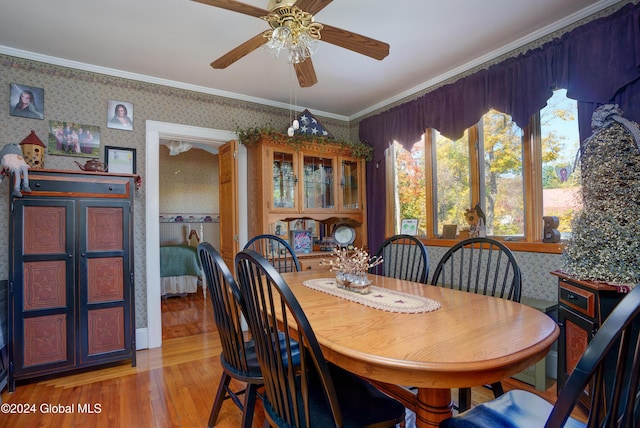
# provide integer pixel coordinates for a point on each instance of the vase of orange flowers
(351, 268)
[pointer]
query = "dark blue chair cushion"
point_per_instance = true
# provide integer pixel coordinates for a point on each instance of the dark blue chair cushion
(252, 360)
(514, 409)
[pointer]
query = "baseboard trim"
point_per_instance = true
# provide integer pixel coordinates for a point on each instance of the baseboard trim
(142, 338)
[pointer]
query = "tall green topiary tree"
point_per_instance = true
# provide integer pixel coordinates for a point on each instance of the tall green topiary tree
(606, 234)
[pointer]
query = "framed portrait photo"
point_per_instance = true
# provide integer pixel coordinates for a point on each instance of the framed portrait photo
(120, 115)
(120, 160)
(26, 101)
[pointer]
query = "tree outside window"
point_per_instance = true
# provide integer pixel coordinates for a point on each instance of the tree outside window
(489, 165)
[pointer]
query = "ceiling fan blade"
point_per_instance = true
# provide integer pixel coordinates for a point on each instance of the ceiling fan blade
(354, 42)
(313, 6)
(306, 73)
(236, 6)
(234, 55)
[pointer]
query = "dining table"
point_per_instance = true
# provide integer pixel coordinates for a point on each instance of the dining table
(404, 333)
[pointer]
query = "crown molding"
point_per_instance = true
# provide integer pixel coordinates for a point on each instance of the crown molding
(33, 56)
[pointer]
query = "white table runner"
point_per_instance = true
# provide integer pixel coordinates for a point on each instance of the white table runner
(378, 298)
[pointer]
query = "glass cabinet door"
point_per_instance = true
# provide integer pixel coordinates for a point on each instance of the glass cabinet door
(349, 184)
(284, 180)
(318, 182)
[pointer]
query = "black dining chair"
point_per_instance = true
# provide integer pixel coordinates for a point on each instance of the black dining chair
(404, 257)
(276, 250)
(238, 357)
(482, 266)
(609, 370)
(317, 394)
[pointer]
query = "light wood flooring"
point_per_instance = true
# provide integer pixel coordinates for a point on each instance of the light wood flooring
(172, 386)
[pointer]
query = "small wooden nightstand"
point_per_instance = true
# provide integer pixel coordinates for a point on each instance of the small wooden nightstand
(583, 308)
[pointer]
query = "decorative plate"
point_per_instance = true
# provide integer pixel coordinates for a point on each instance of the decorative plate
(344, 235)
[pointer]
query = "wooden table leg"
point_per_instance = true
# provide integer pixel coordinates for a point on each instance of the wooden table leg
(434, 405)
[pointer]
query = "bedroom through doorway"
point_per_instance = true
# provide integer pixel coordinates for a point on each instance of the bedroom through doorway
(189, 214)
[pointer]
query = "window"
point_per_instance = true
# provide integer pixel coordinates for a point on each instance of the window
(501, 174)
(561, 194)
(516, 175)
(410, 175)
(452, 181)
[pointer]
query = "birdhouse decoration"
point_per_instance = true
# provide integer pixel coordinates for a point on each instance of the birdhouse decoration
(33, 150)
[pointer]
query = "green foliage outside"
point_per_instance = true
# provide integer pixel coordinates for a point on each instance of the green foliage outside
(410, 177)
(503, 183)
(502, 175)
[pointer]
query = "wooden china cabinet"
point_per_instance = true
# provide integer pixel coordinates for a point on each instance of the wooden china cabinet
(313, 181)
(71, 273)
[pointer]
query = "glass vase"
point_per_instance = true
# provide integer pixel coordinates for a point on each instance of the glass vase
(357, 282)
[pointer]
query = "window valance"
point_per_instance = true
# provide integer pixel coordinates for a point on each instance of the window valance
(598, 63)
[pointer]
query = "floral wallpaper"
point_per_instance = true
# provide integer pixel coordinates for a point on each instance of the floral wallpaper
(81, 97)
(188, 182)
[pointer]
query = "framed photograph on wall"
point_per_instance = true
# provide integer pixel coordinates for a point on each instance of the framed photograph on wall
(26, 101)
(120, 115)
(73, 139)
(120, 160)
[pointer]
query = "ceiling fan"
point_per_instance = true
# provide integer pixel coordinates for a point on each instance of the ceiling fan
(291, 16)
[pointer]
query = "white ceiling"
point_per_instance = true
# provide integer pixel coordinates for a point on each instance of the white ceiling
(173, 41)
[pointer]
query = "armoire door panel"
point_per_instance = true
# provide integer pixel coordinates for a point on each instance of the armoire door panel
(45, 285)
(45, 340)
(104, 228)
(106, 330)
(105, 280)
(45, 229)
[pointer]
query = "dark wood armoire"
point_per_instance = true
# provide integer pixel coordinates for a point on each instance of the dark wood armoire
(71, 273)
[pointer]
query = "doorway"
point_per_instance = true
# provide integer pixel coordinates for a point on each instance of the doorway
(151, 337)
(188, 188)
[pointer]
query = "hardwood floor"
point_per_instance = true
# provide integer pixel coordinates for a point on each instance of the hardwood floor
(186, 316)
(172, 386)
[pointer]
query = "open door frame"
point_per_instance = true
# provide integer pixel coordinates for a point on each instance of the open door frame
(151, 335)
(228, 193)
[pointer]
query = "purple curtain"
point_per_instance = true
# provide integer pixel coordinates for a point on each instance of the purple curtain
(598, 63)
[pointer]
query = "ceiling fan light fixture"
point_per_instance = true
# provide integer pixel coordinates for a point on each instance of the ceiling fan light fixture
(293, 31)
(279, 40)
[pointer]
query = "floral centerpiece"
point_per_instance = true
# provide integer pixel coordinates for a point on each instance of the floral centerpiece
(351, 267)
